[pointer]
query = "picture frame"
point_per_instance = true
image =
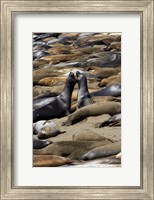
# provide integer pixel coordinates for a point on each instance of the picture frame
(8, 11)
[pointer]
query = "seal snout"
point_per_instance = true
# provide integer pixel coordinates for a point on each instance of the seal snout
(78, 73)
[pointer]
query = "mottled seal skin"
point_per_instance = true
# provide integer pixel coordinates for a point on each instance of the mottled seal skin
(39, 144)
(113, 90)
(49, 161)
(46, 129)
(96, 109)
(55, 107)
(103, 151)
(83, 95)
(115, 120)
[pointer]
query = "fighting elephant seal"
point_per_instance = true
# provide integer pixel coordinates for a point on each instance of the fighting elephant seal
(83, 95)
(55, 107)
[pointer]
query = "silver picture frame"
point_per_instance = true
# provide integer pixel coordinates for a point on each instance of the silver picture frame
(145, 9)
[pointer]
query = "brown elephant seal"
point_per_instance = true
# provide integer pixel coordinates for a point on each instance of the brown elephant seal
(107, 72)
(110, 80)
(113, 90)
(46, 129)
(61, 57)
(83, 95)
(39, 144)
(38, 91)
(51, 81)
(49, 161)
(55, 107)
(103, 151)
(96, 109)
(115, 120)
(88, 135)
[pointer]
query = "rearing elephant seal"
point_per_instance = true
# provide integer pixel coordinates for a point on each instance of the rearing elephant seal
(55, 107)
(84, 97)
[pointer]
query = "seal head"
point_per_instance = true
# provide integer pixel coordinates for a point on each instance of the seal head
(84, 97)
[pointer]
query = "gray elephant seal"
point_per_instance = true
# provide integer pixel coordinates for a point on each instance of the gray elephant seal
(83, 96)
(113, 90)
(115, 120)
(103, 151)
(39, 144)
(90, 163)
(55, 107)
(46, 129)
(96, 109)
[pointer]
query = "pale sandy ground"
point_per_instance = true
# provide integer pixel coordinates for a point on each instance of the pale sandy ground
(113, 133)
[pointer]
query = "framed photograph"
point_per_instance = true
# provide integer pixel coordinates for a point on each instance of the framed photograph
(40, 41)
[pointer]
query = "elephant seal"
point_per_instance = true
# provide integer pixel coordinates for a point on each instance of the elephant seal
(51, 81)
(95, 109)
(39, 144)
(107, 72)
(110, 80)
(46, 129)
(83, 96)
(39, 54)
(103, 151)
(70, 149)
(88, 135)
(49, 161)
(95, 162)
(115, 120)
(113, 90)
(55, 107)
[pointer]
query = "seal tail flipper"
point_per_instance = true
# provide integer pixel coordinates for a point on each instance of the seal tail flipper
(106, 123)
(99, 125)
(63, 132)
